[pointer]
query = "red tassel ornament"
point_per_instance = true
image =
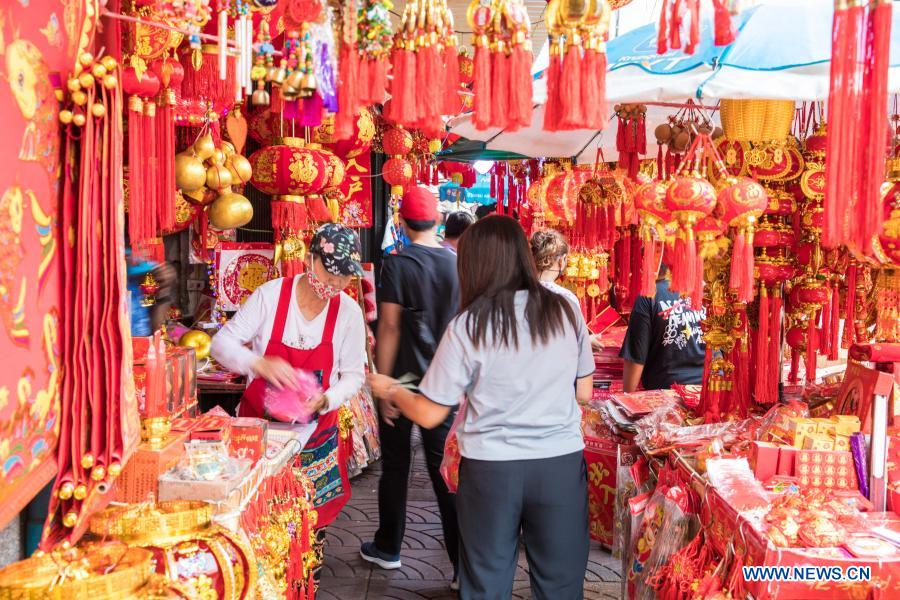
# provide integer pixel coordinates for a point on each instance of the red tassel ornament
(552, 108)
(570, 87)
(499, 87)
(724, 28)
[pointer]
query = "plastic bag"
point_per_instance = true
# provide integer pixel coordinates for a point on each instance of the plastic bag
(631, 480)
(452, 457)
(291, 405)
(678, 520)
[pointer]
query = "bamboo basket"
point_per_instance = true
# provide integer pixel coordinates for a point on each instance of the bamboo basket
(756, 120)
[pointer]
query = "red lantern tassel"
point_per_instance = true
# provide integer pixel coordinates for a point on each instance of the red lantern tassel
(427, 98)
(634, 279)
(675, 26)
(481, 86)
(590, 91)
(835, 328)
(812, 346)
(762, 349)
(165, 147)
(774, 360)
(570, 89)
(365, 76)
(150, 169)
(662, 38)
(706, 408)
(723, 26)
(378, 79)
(872, 140)
(451, 84)
(499, 88)
(849, 336)
(738, 265)
(520, 104)
(694, 39)
(552, 107)
(136, 202)
(349, 91)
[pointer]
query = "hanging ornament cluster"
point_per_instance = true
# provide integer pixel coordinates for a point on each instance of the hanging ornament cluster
(600, 199)
(502, 66)
(678, 15)
(676, 135)
(206, 174)
(858, 122)
(631, 136)
(397, 171)
(576, 77)
(509, 182)
(366, 41)
(586, 274)
(424, 68)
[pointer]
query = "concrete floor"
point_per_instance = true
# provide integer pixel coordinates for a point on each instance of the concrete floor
(426, 569)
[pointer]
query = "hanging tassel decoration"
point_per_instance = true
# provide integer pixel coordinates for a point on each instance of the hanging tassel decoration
(724, 28)
(552, 108)
(520, 102)
(835, 343)
(762, 386)
(774, 358)
(499, 86)
(570, 85)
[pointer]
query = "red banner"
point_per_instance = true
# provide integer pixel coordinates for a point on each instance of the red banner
(356, 209)
(39, 44)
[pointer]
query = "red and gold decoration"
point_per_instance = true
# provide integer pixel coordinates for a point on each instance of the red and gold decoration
(100, 430)
(672, 20)
(502, 67)
(576, 78)
(425, 68)
(857, 123)
(196, 556)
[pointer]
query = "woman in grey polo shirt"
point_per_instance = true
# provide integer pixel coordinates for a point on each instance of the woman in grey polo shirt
(521, 355)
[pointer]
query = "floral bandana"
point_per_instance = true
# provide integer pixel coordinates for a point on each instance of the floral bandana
(338, 248)
(321, 289)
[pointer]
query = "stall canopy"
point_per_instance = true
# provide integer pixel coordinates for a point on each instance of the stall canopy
(782, 51)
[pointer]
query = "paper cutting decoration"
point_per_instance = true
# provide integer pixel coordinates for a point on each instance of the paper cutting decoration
(241, 268)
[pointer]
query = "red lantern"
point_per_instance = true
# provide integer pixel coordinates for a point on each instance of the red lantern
(650, 202)
(169, 71)
(397, 142)
(744, 201)
(397, 172)
(289, 172)
(335, 169)
(145, 86)
(690, 199)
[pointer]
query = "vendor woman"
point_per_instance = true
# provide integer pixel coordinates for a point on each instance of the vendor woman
(306, 322)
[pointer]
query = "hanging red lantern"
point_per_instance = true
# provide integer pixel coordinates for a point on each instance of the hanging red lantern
(650, 202)
(397, 142)
(690, 199)
(397, 172)
(466, 68)
(744, 201)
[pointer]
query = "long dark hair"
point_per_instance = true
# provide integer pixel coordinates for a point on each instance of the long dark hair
(494, 263)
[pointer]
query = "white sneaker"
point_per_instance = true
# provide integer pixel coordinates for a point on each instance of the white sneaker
(454, 585)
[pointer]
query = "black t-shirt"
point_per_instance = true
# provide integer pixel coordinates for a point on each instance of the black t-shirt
(664, 335)
(424, 282)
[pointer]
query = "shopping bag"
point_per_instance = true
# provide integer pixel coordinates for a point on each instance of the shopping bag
(450, 461)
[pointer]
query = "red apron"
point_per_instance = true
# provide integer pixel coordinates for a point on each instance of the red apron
(325, 455)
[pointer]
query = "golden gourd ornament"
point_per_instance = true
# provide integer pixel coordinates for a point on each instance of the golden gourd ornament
(190, 174)
(218, 177)
(240, 168)
(205, 147)
(230, 210)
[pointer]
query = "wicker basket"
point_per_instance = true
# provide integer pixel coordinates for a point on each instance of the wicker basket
(756, 120)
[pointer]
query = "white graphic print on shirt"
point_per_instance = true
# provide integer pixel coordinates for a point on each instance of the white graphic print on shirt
(682, 323)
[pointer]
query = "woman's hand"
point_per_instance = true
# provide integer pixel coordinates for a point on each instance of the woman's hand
(276, 371)
(596, 344)
(381, 388)
(318, 403)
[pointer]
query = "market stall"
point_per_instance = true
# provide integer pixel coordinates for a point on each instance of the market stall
(175, 157)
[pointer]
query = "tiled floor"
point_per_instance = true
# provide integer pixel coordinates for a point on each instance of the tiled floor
(426, 569)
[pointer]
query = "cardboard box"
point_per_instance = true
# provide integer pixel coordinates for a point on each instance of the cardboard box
(826, 469)
(798, 429)
(787, 456)
(139, 481)
(764, 460)
(172, 487)
(205, 427)
(846, 425)
(818, 442)
(249, 438)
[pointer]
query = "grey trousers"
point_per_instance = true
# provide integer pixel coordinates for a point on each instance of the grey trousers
(545, 499)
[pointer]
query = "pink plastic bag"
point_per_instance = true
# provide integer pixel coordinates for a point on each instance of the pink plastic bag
(452, 457)
(292, 405)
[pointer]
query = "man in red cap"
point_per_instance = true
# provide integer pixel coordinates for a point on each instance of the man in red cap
(418, 295)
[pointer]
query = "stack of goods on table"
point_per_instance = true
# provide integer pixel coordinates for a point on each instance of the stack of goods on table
(609, 366)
